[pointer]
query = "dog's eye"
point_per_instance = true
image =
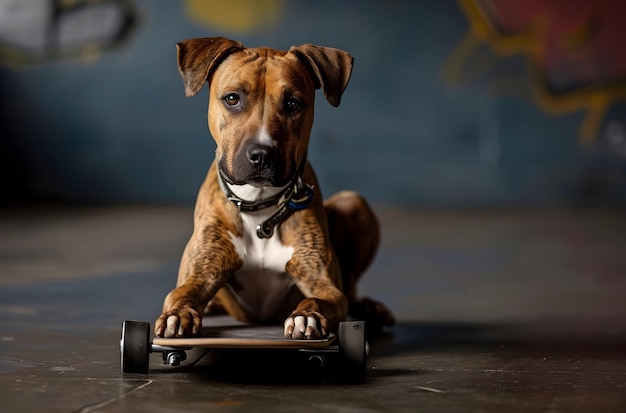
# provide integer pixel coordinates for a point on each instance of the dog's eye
(293, 104)
(232, 99)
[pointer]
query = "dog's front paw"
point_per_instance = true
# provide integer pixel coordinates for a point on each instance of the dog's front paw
(309, 326)
(179, 322)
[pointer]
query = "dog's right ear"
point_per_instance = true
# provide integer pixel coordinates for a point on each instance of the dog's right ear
(198, 59)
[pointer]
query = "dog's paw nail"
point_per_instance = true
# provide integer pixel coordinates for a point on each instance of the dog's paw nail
(172, 324)
(313, 328)
(289, 326)
(300, 323)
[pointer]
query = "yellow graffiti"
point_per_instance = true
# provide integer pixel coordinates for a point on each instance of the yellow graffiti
(235, 16)
(457, 71)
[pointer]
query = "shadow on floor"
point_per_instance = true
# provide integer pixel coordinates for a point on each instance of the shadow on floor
(415, 348)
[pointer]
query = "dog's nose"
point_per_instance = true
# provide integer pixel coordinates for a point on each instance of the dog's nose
(261, 156)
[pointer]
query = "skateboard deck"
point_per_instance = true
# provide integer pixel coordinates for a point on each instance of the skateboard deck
(345, 351)
(243, 336)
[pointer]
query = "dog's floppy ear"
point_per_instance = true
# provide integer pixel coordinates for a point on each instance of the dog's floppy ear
(198, 58)
(331, 67)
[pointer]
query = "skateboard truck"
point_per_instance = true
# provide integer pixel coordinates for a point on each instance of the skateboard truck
(171, 356)
(346, 351)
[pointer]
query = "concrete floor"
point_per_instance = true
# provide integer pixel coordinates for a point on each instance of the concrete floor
(517, 311)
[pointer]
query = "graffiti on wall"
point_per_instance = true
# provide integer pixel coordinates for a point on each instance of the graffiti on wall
(573, 53)
(36, 31)
(241, 17)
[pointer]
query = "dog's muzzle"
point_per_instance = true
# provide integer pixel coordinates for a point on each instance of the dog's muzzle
(258, 165)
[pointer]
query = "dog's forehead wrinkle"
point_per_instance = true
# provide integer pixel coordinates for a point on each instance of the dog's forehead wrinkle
(259, 72)
(292, 81)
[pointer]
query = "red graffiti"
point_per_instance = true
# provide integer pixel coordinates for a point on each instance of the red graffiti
(574, 43)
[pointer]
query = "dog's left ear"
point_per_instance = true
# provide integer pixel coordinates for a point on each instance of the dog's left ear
(332, 68)
(198, 59)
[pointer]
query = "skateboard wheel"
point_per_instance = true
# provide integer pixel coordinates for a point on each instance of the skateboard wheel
(352, 351)
(135, 347)
(317, 361)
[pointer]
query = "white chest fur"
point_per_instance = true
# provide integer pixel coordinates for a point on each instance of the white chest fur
(261, 285)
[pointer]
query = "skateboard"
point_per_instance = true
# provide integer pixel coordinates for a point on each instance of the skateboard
(345, 351)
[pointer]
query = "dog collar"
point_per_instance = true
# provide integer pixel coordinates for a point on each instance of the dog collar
(295, 197)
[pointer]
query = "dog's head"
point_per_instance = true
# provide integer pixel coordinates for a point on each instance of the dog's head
(261, 102)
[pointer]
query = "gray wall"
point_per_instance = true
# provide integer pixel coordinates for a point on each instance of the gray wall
(432, 116)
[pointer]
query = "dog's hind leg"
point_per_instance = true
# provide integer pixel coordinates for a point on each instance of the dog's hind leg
(355, 237)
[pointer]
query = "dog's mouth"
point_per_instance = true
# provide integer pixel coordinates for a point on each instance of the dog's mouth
(266, 178)
(261, 182)
(258, 179)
